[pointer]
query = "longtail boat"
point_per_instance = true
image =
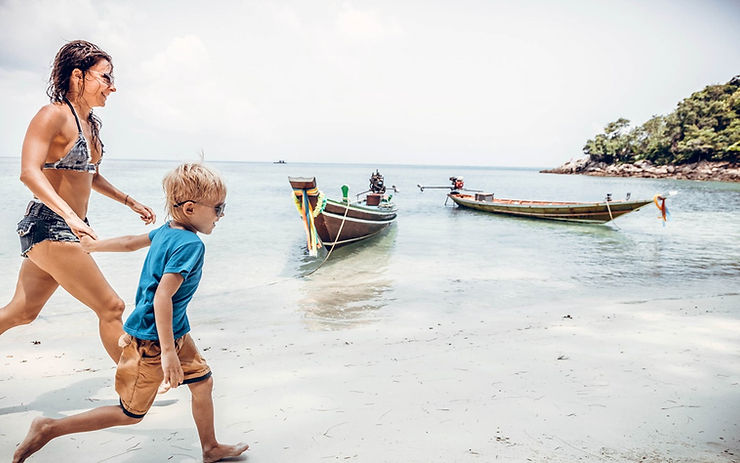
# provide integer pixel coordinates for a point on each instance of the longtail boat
(583, 212)
(334, 223)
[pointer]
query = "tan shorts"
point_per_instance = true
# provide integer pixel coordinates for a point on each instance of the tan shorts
(139, 372)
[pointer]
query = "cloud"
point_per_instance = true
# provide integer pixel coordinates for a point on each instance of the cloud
(365, 25)
(53, 23)
(287, 16)
(340, 80)
(187, 91)
(21, 96)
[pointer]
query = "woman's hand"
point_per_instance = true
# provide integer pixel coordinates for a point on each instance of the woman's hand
(173, 374)
(79, 227)
(145, 212)
(88, 244)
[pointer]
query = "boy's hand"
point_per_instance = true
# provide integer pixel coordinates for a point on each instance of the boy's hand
(87, 243)
(173, 374)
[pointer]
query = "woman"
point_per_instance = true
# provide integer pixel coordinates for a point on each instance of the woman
(60, 164)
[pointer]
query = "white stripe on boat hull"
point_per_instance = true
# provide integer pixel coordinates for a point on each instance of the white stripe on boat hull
(353, 219)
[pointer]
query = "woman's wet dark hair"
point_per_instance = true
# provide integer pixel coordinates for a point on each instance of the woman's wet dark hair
(82, 55)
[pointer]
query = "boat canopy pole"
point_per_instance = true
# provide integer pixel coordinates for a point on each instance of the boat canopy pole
(434, 187)
(445, 187)
(457, 184)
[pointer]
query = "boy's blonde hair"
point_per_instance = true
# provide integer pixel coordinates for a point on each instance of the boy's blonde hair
(191, 181)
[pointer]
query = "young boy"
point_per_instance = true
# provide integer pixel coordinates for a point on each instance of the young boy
(157, 348)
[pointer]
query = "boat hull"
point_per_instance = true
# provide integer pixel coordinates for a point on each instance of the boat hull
(596, 213)
(360, 222)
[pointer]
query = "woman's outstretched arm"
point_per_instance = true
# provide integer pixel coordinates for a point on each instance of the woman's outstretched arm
(106, 188)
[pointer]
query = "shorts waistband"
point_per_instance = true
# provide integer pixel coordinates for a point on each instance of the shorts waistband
(125, 339)
(41, 210)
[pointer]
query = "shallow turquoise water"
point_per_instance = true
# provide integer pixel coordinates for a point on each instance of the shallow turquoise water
(435, 258)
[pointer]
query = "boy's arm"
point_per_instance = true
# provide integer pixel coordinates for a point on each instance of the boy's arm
(168, 286)
(119, 244)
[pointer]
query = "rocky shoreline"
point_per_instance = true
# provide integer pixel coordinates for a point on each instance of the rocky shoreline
(704, 170)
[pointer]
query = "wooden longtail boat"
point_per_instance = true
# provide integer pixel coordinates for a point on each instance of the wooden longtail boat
(332, 222)
(600, 212)
(583, 212)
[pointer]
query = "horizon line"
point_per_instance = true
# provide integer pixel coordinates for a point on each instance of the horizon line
(323, 162)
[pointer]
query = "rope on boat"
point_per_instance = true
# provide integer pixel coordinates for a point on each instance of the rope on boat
(308, 214)
(611, 217)
(336, 240)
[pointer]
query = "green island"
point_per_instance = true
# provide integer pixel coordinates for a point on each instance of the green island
(699, 140)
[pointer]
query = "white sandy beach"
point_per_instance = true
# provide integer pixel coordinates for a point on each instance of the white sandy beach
(632, 380)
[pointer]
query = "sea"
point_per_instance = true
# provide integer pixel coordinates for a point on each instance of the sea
(436, 258)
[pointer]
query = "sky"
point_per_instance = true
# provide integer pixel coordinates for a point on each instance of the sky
(431, 82)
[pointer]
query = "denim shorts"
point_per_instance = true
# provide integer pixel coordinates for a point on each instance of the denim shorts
(41, 223)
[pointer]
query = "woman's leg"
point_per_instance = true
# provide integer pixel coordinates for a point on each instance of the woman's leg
(33, 289)
(76, 272)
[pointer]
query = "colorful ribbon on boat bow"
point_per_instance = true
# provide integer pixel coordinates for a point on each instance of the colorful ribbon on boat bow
(660, 204)
(308, 214)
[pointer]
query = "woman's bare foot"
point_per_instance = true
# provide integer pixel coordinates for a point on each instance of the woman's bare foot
(36, 438)
(223, 451)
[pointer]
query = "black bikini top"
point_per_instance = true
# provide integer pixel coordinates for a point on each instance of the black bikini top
(78, 158)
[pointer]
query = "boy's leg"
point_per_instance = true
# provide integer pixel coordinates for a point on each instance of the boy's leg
(202, 404)
(45, 429)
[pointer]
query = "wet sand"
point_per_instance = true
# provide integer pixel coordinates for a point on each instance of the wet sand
(620, 381)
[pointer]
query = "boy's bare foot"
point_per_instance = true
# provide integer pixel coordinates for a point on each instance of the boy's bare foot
(223, 451)
(36, 438)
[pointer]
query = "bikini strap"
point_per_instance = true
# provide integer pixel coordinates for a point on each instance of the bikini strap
(74, 113)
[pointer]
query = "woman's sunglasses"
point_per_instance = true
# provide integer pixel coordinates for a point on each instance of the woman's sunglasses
(104, 77)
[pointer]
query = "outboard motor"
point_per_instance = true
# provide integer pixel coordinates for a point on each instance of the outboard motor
(457, 183)
(377, 183)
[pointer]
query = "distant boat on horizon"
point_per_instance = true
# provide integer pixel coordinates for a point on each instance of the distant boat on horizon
(280, 161)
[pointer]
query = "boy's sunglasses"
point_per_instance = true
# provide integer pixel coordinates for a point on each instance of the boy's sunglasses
(219, 208)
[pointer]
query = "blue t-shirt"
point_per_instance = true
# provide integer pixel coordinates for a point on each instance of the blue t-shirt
(172, 251)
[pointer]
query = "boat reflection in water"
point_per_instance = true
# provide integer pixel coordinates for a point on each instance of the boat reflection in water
(352, 288)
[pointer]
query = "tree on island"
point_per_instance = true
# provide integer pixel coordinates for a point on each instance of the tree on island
(704, 127)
